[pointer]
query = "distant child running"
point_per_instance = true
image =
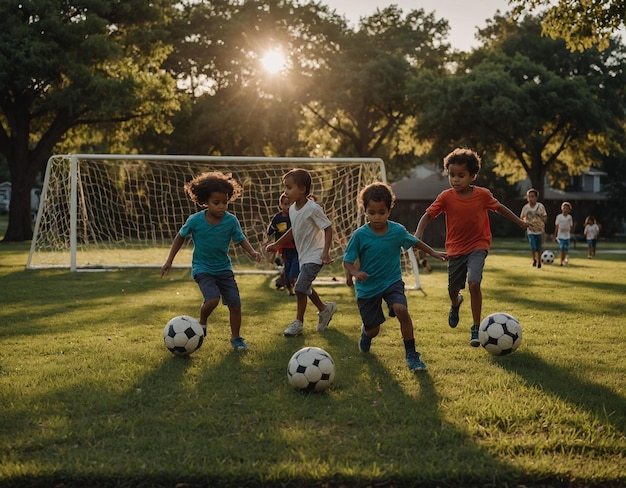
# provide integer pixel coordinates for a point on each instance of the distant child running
(535, 214)
(278, 226)
(212, 229)
(592, 229)
(312, 232)
(563, 226)
(377, 246)
(468, 234)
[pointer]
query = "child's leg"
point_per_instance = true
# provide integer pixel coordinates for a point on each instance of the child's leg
(406, 324)
(235, 321)
(476, 301)
(206, 309)
(317, 301)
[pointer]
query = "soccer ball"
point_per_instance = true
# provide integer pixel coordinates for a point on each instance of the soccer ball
(547, 257)
(500, 333)
(183, 335)
(311, 369)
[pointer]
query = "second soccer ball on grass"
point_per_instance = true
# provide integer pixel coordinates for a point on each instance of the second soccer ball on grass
(311, 369)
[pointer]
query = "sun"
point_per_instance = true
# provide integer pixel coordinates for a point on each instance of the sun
(273, 61)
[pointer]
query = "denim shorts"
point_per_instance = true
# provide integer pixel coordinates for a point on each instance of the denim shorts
(308, 273)
(371, 309)
(536, 241)
(221, 285)
(467, 267)
(563, 244)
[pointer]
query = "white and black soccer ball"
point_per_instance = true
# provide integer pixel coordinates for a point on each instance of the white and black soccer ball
(500, 333)
(183, 335)
(547, 257)
(311, 369)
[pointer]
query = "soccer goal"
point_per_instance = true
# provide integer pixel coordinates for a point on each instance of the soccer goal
(109, 211)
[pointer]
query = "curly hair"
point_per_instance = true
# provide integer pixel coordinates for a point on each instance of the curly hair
(202, 186)
(377, 192)
(463, 156)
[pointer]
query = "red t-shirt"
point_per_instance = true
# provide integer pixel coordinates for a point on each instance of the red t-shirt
(467, 222)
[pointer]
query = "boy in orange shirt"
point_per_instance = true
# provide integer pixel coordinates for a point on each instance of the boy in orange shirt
(468, 234)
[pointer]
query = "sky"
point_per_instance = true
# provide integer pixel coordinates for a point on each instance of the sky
(464, 16)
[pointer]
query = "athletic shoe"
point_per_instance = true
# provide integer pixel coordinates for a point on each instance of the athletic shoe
(295, 329)
(474, 342)
(325, 316)
(414, 362)
(239, 344)
(453, 316)
(365, 343)
(534, 262)
(539, 263)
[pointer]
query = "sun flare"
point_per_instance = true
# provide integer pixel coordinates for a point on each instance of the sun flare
(273, 61)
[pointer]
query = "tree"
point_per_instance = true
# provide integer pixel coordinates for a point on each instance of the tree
(64, 65)
(359, 92)
(539, 108)
(582, 23)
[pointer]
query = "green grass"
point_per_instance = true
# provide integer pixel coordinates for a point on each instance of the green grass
(89, 396)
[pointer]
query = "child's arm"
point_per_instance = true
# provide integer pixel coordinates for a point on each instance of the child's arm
(256, 255)
(422, 246)
(328, 237)
(176, 245)
(284, 239)
(421, 225)
(506, 212)
(353, 271)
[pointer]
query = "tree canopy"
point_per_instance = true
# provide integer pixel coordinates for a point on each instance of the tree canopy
(582, 23)
(69, 64)
(538, 107)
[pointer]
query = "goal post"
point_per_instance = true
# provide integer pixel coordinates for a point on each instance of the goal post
(107, 211)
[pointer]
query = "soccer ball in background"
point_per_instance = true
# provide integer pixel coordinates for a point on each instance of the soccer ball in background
(183, 335)
(547, 257)
(311, 369)
(500, 333)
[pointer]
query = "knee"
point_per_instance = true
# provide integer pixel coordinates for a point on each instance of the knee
(474, 286)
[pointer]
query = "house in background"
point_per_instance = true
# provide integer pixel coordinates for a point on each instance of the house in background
(5, 196)
(414, 195)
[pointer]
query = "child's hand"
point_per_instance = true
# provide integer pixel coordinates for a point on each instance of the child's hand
(165, 268)
(361, 276)
(271, 248)
(326, 259)
(441, 256)
(349, 280)
(256, 255)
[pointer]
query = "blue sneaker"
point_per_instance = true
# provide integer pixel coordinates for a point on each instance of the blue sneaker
(365, 343)
(414, 362)
(239, 344)
(453, 316)
(474, 341)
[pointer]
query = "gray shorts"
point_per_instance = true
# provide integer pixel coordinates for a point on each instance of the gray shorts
(467, 267)
(371, 309)
(308, 273)
(221, 285)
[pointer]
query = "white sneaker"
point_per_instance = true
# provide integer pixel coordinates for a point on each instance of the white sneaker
(295, 329)
(325, 316)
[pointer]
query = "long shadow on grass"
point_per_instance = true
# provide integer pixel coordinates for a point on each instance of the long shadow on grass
(608, 407)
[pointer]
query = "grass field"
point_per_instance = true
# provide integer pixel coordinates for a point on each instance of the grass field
(90, 397)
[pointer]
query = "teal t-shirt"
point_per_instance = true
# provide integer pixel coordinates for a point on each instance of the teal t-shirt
(379, 256)
(211, 243)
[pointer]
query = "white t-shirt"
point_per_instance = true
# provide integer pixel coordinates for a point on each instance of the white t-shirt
(307, 225)
(563, 224)
(591, 231)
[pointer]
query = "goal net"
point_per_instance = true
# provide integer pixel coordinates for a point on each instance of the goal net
(116, 211)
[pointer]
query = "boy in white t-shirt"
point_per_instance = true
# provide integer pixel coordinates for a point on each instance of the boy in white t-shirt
(592, 229)
(535, 214)
(563, 226)
(311, 230)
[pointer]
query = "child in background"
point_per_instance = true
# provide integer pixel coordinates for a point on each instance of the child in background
(535, 214)
(280, 224)
(377, 246)
(468, 234)
(311, 231)
(563, 226)
(592, 229)
(212, 229)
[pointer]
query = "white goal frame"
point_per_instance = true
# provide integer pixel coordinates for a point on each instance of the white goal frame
(80, 191)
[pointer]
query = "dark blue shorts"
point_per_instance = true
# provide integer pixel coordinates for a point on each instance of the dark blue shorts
(371, 309)
(221, 285)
